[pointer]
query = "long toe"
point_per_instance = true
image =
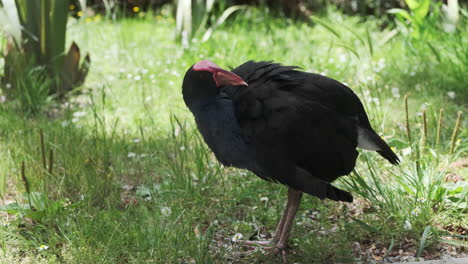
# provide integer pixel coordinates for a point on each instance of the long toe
(256, 242)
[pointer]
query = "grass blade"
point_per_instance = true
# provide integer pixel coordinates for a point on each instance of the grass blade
(422, 243)
(326, 25)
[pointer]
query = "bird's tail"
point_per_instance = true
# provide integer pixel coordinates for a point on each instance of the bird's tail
(307, 183)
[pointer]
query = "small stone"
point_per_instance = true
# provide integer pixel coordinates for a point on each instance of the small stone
(356, 247)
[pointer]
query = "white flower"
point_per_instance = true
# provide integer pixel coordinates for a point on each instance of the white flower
(182, 148)
(2, 99)
(8, 85)
(407, 225)
(137, 78)
(416, 211)
(79, 114)
(4, 223)
(142, 155)
(421, 200)
(264, 199)
(396, 92)
(136, 140)
(237, 237)
(65, 123)
(451, 94)
(131, 154)
(406, 151)
(166, 211)
(147, 99)
(42, 247)
(177, 131)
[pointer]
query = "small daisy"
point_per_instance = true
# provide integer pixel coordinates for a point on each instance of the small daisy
(421, 200)
(237, 237)
(416, 211)
(42, 247)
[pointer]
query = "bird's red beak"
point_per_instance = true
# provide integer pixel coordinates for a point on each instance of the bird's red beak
(220, 75)
(226, 78)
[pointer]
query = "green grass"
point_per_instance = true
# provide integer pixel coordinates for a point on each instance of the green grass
(128, 126)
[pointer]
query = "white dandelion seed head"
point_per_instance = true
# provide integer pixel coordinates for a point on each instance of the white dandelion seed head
(451, 95)
(166, 211)
(407, 225)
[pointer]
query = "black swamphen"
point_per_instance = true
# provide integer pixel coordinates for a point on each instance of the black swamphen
(296, 128)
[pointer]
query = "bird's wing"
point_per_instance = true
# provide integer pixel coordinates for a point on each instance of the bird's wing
(311, 93)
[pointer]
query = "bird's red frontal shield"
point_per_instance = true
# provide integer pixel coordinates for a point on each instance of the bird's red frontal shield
(220, 75)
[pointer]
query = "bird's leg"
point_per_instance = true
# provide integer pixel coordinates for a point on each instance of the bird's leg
(279, 229)
(294, 199)
(280, 226)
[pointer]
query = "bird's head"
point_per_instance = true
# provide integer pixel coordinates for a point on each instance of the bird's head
(205, 78)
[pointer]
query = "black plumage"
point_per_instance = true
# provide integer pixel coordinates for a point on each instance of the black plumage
(296, 128)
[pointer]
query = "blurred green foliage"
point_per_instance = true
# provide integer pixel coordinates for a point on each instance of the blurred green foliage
(36, 64)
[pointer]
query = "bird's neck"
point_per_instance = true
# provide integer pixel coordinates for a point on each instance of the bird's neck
(200, 102)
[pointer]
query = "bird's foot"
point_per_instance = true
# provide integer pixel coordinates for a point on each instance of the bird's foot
(281, 250)
(256, 242)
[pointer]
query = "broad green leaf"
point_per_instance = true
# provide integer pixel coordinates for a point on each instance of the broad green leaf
(412, 4)
(401, 12)
(9, 21)
(422, 10)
